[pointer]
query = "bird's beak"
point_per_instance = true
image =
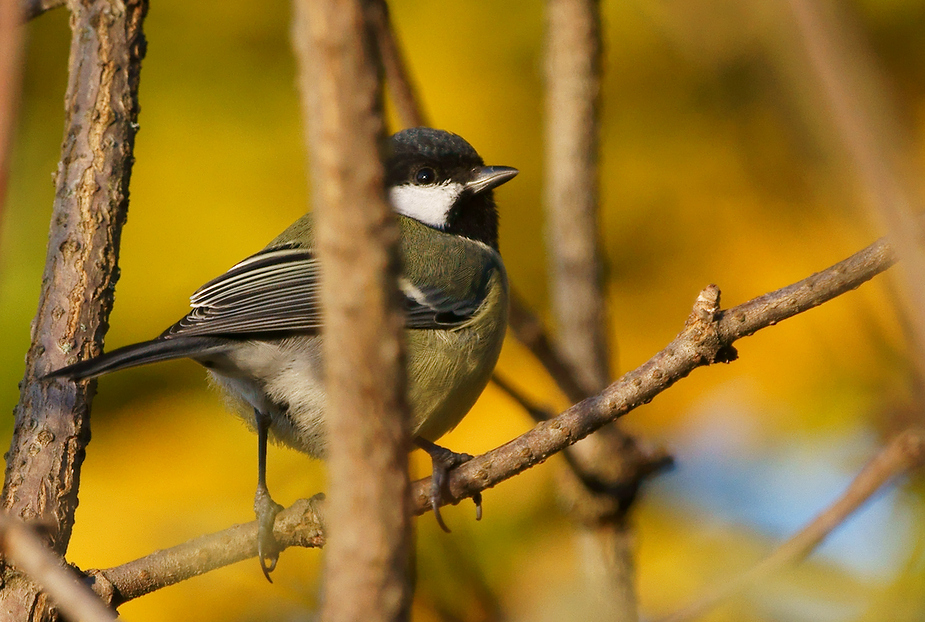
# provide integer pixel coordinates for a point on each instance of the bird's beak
(488, 177)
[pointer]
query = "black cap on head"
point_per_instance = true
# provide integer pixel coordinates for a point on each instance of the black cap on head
(447, 160)
(411, 148)
(426, 142)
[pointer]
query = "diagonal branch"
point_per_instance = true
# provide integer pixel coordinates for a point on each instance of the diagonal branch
(30, 9)
(24, 549)
(400, 88)
(904, 453)
(707, 338)
(298, 525)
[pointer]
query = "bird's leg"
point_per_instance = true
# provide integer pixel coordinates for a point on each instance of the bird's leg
(264, 507)
(444, 461)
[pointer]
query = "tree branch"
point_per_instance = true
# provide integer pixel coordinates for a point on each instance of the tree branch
(367, 569)
(91, 200)
(608, 466)
(403, 94)
(707, 338)
(571, 208)
(25, 550)
(298, 525)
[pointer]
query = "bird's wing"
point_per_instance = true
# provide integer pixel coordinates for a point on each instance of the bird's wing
(433, 308)
(276, 291)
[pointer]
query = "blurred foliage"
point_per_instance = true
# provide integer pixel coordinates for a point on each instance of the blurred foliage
(719, 165)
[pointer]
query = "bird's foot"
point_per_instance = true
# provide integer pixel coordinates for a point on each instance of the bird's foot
(445, 461)
(268, 548)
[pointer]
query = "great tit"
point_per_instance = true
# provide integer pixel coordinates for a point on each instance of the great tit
(258, 327)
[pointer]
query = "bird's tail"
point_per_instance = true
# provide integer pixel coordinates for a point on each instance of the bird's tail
(140, 354)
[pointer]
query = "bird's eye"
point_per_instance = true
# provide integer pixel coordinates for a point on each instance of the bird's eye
(425, 176)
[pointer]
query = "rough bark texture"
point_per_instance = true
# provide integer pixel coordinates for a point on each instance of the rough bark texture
(367, 558)
(24, 549)
(52, 418)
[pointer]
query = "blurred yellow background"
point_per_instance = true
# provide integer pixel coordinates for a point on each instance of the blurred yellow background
(719, 165)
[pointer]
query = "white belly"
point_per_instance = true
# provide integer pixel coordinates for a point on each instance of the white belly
(292, 392)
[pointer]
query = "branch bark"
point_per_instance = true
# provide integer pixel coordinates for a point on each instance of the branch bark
(25, 550)
(298, 525)
(572, 87)
(367, 574)
(91, 200)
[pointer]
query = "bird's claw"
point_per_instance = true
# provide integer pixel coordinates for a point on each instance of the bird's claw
(268, 548)
(445, 461)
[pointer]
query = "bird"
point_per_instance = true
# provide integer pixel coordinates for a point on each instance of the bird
(258, 328)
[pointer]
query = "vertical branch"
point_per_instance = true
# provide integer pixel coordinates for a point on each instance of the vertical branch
(572, 86)
(367, 563)
(91, 200)
(11, 48)
(605, 460)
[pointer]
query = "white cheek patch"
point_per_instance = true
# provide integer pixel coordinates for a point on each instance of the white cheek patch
(427, 204)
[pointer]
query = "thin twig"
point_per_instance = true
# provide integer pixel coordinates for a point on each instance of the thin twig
(397, 79)
(904, 453)
(25, 550)
(298, 525)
